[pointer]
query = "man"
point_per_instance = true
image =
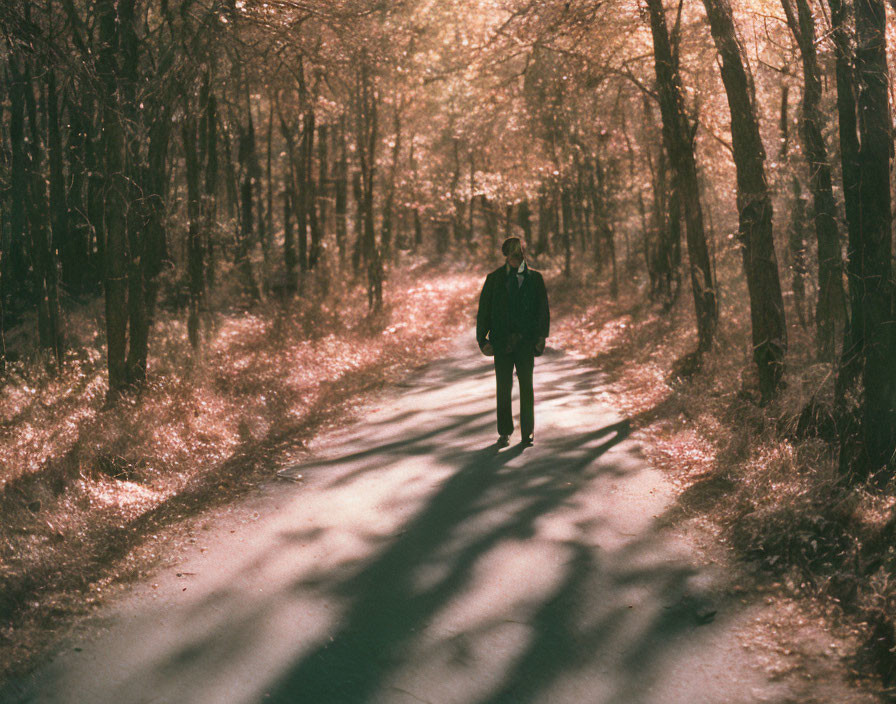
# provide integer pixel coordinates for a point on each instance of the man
(512, 324)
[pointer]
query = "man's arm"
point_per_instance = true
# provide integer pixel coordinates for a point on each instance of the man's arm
(543, 314)
(484, 314)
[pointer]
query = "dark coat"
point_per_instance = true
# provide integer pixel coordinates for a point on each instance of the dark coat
(506, 323)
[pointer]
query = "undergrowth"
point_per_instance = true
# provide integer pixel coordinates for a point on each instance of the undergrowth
(765, 476)
(82, 484)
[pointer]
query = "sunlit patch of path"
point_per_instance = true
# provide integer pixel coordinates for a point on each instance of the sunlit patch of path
(411, 560)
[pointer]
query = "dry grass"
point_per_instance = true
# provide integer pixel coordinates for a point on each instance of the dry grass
(81, 485)
(764, 477)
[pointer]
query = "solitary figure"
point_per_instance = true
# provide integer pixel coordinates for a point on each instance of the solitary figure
(512, 324)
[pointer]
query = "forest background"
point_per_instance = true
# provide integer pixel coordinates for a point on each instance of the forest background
(223, 220)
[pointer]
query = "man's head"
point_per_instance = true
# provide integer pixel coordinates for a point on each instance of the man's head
(514, 251)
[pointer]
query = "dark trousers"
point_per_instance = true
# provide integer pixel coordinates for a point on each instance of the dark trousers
(523, 358)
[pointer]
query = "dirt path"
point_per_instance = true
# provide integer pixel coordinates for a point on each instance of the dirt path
(410, 560)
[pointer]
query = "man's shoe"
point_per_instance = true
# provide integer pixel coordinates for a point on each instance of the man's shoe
(527, 440)
(503, 440)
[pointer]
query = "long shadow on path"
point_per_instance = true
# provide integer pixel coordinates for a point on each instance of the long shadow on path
(415, 562)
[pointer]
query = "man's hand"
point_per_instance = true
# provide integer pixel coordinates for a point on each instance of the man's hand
(539, 345)
(488, 350)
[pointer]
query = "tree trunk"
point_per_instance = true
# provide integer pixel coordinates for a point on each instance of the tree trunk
(247, 201)
(96, 204)
(290, 205)
(830, 312)
(116, 186)
(491, 222)
(341, 193)
(150, 247)
(566, 211)
(367, 141)
(524, 219)
(323, 177)
(471, 202)
(18, 193)
(266, 222)
(209, 138)
(61, 240)
(194, 228)
(74, 254)
(796, 229)
(389, 202)
(43, 251)
(605, 227)
(310, 192)
(844, 42)
(871, 287)
(678, 138)
(753, 203)
(542, 243)
(358, 255)
(457, 221)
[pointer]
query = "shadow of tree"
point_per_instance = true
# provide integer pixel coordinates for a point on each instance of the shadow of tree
(389, 608)
(475, 502)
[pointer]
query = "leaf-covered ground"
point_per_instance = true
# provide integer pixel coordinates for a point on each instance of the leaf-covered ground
(84, 488)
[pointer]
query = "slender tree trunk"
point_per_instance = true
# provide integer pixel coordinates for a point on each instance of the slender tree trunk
(247, 201)
(491, 222)
(62, 240)
(389, 201)
(542, 243)
(341, 193)
(796, 240)
(471, 202)
(753, 203)
(116, 188)
(289, 242)
(566, 211)
(678, 138)
(796, 230)
(301, 202)
(358, 254)
(323, 178)
(523, 219)
(843, 34)
(18, 193)
(42, 257)
(209, 138)
(156, 236)
(605, 227)
(149, 247)
(75, 254)
(457, 201)
(314, 250)
(871, 286)
(96, 185)
(367, 138)
(138, 194)
(266, 222)
(598, 206)
(290, 205)
(194, 227)
(830, 313)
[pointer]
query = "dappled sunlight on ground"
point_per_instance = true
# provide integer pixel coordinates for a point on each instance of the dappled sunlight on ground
(74, 475)
(409, 557)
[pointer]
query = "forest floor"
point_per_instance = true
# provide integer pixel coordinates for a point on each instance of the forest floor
(88, 492)
(681, 425)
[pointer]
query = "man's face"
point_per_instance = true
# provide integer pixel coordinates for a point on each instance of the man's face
(515, 256)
